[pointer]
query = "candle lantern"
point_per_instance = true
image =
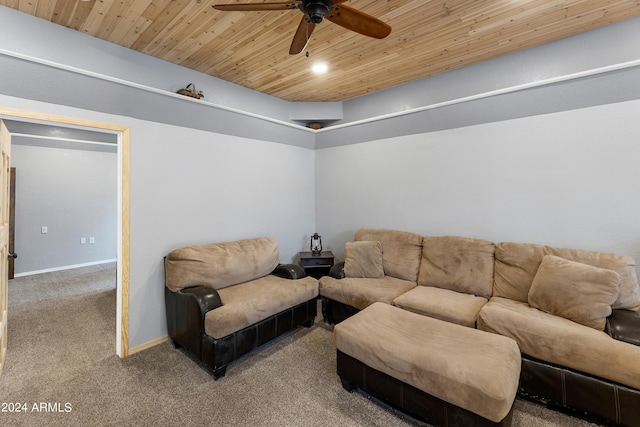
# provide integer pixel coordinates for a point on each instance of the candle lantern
(316, 244)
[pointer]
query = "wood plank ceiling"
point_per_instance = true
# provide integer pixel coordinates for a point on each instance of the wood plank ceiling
(251, 48)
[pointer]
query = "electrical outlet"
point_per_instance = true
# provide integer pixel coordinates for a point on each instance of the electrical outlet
(44, 230)
(83, 240)
(92, 240)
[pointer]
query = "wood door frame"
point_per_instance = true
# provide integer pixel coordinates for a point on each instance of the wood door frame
(5, 173)
(122, 317)
(12, 220)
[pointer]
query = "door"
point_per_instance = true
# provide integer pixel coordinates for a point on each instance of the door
(5, 153)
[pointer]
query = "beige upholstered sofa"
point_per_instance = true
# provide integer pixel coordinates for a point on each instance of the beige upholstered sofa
(573, 313)
(225, 299)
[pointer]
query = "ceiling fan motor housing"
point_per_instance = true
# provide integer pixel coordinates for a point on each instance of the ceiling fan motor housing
(316, 9)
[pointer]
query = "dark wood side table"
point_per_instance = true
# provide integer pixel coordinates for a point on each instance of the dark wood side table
(316, 265)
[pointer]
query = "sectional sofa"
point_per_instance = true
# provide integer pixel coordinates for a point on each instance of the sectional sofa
(573, 313)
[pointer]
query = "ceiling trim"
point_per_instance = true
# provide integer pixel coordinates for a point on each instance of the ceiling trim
(460, 100)
(152, 89)
(497, 92)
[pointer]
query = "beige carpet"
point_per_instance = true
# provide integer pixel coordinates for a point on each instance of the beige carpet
(62, 353)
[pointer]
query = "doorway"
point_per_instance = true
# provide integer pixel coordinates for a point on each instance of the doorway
(66, 197)
(121, 134)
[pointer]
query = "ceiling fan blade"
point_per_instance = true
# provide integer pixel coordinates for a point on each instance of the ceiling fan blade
(283, 5)
(360, 22)
(302, 35)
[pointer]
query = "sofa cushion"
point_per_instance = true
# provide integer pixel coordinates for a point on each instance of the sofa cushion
(220, 265)
(363, 259)
(517, 263)
(360, 293)
(443, 304)
(248, 303)
(561, 341)
(401, 251)
(457, 263)
(575, 291)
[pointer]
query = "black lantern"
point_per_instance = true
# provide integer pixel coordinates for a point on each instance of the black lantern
(316, 244)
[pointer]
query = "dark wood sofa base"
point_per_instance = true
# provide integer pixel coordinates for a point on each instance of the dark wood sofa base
(218, 353)
(576, 393)
(416, 403)
(185, 315)
(334, 312)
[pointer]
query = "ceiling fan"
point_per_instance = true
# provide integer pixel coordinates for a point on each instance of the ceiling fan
(314, 12)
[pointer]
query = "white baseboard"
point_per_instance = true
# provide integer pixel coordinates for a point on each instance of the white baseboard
(65, 267)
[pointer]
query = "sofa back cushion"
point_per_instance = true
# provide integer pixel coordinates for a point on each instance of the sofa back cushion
(401, 251)
(458, 263)
(517, 264)
(220, 265)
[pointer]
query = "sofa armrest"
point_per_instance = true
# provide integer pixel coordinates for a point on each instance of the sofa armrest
(204, 297)
(190, 305)
(186, 310)
(624, 325)
(337, 271)
(289, 271)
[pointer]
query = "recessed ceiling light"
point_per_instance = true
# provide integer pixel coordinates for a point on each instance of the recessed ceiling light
(320, 68)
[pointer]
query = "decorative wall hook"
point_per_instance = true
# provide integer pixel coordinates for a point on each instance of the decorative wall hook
(190, 90)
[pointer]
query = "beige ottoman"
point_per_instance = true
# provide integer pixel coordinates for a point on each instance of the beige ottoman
(440, 372)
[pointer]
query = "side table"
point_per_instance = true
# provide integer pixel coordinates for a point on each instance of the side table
(316, 265)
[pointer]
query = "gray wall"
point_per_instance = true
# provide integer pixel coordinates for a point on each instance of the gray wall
(73, 193)
(198, 173)
(190, 186)
(568, 179)
(543, 168)
(538, 146)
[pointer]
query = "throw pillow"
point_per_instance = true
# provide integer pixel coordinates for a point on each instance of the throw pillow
(575, 291)
(363, 259)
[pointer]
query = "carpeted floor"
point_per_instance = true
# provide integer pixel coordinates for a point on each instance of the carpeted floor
(62, 353)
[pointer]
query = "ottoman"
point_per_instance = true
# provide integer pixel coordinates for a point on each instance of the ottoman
(439, 372)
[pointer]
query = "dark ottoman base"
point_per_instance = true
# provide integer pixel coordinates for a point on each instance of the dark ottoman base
(425, 407)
